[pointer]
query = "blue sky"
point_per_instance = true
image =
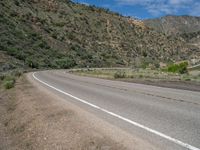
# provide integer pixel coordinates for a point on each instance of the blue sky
(144, 9)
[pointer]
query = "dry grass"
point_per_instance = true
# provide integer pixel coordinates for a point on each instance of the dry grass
(189, 81)
(144, 74)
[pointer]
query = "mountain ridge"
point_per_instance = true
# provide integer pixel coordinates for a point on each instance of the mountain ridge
(173, 25)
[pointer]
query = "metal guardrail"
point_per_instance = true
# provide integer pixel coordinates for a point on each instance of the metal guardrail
(195, 66)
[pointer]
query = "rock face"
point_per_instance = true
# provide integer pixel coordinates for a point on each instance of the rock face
(174, 24)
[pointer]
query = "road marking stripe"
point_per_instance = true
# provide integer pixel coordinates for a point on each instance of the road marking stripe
(185, 145)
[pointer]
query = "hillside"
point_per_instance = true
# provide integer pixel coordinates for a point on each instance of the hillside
(63, 34)
(186, 28)
(192, 38)
(174, 24)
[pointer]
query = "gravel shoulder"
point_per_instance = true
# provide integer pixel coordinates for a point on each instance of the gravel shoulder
(148, 77)
(182, 85)
(31, 117)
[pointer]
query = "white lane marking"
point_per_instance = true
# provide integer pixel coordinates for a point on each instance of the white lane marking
(185, 145)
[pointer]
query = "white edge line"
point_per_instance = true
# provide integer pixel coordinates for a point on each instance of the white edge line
(185, 145)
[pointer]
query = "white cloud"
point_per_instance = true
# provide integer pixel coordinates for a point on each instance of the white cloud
(87, 4)
(180, 2)
(157, 7)
(140, 2)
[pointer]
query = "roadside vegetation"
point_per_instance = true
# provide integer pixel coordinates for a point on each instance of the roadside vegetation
(8, 79)
(171, 73)
(9, 82)
(180, 68)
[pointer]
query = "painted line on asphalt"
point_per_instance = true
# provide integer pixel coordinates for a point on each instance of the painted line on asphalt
(183, 144)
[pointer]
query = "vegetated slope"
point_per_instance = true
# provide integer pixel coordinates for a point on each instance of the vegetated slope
(174, 24)
(192, 38)
(62, 34)
(185, 27)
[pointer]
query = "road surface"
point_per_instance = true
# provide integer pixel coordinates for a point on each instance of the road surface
(168, 118)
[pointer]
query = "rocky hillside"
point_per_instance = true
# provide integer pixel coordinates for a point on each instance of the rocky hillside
(63, 34)
(185, 27)
(174, 24)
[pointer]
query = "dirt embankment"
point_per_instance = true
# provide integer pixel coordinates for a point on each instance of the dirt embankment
(33, 118)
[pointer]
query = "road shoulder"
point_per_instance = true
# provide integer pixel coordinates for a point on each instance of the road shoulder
(34, 118)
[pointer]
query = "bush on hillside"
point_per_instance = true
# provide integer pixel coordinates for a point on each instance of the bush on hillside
(12, 51)
(9, 82)
(64, 63)
(119, 74)
(2, 77)
(32, 63)
(178, 68)
(17, 73)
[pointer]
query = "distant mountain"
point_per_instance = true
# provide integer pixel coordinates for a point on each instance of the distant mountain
(63, 34)
(174, 24)
(186, 28)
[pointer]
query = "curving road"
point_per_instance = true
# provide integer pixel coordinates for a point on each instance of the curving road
(168, 118)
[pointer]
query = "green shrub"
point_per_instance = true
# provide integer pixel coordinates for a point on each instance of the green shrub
(187, 79)
(64, 63)
(31, 62)
(9, 77)
(60, 24)
(9, 82)
(12, 51)
(17, 73)
(141, 76)
(2, 77)
(178, 68)
(119, 74)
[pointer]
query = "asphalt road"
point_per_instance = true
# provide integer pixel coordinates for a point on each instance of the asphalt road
(168, 118)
